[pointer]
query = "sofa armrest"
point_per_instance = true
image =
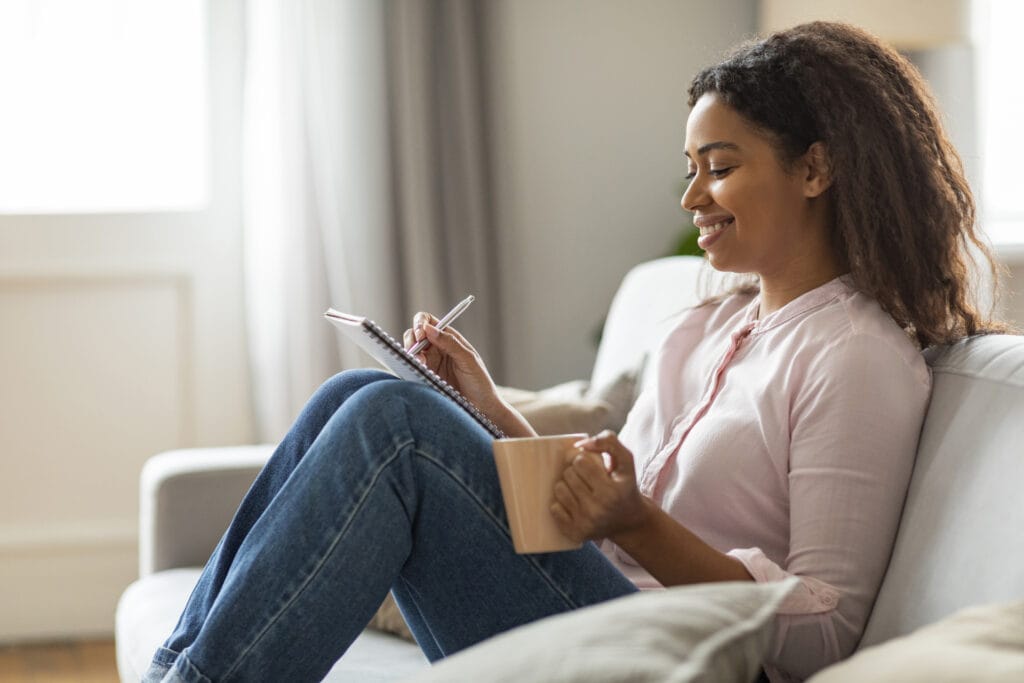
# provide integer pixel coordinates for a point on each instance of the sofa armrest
(187, 499)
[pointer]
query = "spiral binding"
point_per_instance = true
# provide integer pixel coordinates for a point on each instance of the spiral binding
(386, 340)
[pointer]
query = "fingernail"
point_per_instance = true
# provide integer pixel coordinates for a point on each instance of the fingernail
(431, 331)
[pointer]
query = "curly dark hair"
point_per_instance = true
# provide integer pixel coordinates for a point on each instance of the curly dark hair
(903, 213)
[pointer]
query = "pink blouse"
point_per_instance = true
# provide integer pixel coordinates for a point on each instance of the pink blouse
(787, 443)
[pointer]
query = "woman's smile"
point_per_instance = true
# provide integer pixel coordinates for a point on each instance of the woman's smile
(711, 229)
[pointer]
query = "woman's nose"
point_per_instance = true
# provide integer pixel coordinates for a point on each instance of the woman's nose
(694, 195)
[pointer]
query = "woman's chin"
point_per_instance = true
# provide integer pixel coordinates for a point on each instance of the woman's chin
(722, 263)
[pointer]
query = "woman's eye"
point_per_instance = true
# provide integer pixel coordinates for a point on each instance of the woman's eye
(716, 173)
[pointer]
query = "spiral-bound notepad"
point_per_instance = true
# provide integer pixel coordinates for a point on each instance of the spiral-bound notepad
(385, 350)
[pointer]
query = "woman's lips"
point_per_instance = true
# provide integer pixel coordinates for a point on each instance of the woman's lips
(709, 234)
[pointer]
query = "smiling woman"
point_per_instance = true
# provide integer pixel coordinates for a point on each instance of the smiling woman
(774, 440)
(818, 164)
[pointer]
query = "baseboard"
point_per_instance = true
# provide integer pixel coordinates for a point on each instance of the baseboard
(63, 581)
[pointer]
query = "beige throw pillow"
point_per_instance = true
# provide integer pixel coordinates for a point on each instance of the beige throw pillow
(708, 632)
(575, 406)
(389, 619)
(975, 645)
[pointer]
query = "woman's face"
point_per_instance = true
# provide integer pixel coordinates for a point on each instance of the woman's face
(752, 214)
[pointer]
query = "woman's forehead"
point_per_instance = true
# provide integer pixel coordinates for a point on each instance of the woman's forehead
(713, 124)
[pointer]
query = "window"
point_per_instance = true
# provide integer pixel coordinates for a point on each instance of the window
(104, 106)
(1001, 111)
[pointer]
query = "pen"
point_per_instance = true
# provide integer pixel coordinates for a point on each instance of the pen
(444, 322)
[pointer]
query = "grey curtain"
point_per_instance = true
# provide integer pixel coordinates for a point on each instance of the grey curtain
(366, 183)
(438, 123)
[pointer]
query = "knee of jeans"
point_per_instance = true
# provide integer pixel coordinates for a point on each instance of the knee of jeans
(386, 396)
(401, 404)
(333, 392)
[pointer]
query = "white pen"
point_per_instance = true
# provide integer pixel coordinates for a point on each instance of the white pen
(444, 322)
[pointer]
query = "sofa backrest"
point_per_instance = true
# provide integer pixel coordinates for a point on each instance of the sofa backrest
(961, 537)
(650, 299)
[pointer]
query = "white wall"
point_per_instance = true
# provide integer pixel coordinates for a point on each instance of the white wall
(589, 111)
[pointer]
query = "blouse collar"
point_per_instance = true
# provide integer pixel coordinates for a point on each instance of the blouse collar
(803, 304)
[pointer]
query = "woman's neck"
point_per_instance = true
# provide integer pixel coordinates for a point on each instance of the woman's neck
(774, 298)
(808, 263)
(800, 278)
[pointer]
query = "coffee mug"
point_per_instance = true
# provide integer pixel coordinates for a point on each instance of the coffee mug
(528, 469)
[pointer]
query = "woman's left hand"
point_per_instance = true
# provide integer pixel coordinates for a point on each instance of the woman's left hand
(593, 501)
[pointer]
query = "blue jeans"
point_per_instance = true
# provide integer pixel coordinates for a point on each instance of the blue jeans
(380, 484)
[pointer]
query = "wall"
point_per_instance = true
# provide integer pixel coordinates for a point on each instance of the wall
(589, 109)
(589, 115)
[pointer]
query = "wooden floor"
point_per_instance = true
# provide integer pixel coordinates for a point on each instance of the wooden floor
(70, 662)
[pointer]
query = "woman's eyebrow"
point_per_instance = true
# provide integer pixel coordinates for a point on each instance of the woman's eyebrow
(704, 149)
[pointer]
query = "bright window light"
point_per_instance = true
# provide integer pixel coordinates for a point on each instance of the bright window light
(1001, 63)
(104, 106)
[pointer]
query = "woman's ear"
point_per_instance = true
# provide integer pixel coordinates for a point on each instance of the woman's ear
(817, 167)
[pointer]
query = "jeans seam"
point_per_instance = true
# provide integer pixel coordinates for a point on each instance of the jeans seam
(191, 670)
(501, 527)
(327, 553)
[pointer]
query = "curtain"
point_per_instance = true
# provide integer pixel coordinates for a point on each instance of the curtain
(365, 183)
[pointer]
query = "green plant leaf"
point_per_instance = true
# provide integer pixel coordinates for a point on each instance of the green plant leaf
(687, 244)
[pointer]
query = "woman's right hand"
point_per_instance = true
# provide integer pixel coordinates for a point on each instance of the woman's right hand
(455, 360)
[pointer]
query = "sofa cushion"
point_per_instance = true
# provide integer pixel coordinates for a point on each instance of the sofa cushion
(979, 644)
(959, 538)
(708, 632)
(576, 406)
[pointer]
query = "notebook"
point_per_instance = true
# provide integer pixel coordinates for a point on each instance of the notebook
(385, 350)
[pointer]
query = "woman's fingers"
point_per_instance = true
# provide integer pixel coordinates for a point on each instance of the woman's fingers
(423, 318)
(564, 520)
(447, 342)
(565, 497)
(586, 474)
(419, 320)
(576, 480)
(608, 442)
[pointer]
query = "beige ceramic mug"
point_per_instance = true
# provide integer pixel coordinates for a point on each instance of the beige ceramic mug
(528, 469)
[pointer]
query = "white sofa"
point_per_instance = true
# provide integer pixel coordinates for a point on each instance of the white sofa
(959, 542)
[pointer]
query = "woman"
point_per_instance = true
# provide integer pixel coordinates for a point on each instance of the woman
(777, 437)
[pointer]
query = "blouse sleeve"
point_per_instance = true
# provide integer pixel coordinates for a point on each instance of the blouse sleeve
(854, 424)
